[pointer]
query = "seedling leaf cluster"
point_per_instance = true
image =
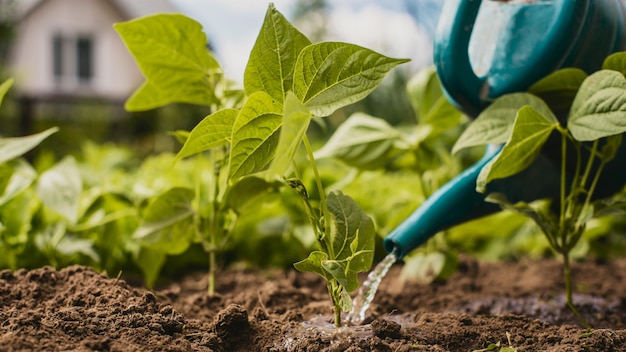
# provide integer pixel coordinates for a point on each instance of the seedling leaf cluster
(592, 111)
(252, 143)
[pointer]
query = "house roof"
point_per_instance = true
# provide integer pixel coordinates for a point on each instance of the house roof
(138, 8)
(129, 8)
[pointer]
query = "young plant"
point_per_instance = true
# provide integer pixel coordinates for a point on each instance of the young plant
(370, 144)
(287, 82)
(593, 117)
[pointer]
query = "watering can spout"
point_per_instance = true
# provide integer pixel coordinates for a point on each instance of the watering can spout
(456, 202)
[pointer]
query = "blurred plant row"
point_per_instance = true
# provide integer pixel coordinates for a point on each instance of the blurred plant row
(87, 209)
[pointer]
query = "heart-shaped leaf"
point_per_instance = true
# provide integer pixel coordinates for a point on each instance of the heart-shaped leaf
(495, 123)
(213, 131)
(273, 58)
(296, 119)
(599, 109)
(331, 75)
(530, 131)
(255, 135)
(171, 51)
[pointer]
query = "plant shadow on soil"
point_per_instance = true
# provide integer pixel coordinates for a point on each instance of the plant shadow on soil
(78, 309)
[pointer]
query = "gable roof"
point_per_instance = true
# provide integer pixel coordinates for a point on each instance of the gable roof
(129, 8)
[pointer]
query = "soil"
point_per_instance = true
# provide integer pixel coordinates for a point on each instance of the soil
(521, 304)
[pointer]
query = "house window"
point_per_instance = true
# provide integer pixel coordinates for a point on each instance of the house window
(57, 56)
(84, 58)
(72, 59)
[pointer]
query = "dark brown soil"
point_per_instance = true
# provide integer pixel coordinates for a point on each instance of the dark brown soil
(76, 309)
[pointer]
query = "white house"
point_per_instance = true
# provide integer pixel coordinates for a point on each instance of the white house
(68, 48)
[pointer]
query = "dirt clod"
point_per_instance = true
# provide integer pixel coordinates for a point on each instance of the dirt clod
(384, 328)
(232, 320)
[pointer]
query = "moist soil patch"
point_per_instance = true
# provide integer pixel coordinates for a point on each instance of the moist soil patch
(77, 309)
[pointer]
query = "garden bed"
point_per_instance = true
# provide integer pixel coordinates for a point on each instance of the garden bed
(78, 309)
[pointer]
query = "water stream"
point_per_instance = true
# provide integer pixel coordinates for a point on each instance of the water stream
(365, 296)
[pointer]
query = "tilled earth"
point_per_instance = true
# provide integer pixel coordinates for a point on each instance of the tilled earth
(521, 304)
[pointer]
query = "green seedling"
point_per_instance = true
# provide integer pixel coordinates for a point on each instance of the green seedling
(496, 347)
(251, 142)
(592, 119)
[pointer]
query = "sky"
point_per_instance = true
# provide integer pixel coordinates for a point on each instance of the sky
(380, 25)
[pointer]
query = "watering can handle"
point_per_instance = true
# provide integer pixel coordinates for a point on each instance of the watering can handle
(451, 54)
(548, 45)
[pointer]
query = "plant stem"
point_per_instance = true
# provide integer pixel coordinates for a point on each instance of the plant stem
(563, 180)
(211, 278)
(567, 274)
(320, 189)
(570, 211)
(333, 287)
(592, 155)
(214, 224)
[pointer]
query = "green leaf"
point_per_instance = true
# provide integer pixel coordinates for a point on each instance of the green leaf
(148, 96)
(495, 123)
(363, 141)
(15, 176)
(313, 264)
(491, 347)
(530, 131)
(166, 223)
(559, 88)
(546, 223)
(331, 75)
(248, 191)
(70, 246)
(432, 107)
(171, 51)
(353, 240)
(60, 187)
(610, 148)
(111, 211)
(273, 57)
(508, 349)
(150, 261)
(255, 135)
(4, 88)
(615, 62)
(11, 148)
(338, 269)
(599, 107)
(345, 301)
(567, 79)
(17, 217)
(296, 119)
(424, 91)
(213, 131)
(427, 267)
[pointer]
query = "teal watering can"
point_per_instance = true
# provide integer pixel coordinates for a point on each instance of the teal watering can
(485, 49)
